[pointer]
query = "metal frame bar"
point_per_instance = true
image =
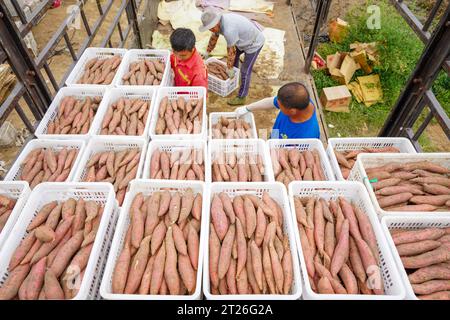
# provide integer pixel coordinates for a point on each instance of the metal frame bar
(420, 29)
(417, 93)
(321, 15)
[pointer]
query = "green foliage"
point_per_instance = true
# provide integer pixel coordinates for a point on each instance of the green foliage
(399, 49)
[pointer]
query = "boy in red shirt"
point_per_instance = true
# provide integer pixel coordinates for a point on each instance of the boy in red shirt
(187, 64)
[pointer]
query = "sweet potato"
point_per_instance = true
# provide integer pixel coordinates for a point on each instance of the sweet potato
(433, 272)
(219, 218)
(193, 246)
(137, 266)
(12, 284)
(426, 259)
(441, 295)
(65, 254)
(341, 252)
(158, 236)
(437, 200)
(187, 273)
(225, 252)
(417, 235)
(415, 248)
(42, 215)
(121, 270)
(214, 253)
(431, 286)
(52, 288)
(170, 269)
(157, 277)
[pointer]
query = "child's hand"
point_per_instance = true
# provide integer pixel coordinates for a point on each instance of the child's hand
(240, 111)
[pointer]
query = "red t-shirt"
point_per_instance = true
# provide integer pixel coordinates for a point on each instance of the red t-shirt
(191, 72)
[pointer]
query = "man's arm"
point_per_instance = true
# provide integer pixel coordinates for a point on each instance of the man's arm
(231, 56)
(212, 42)
(263, 104)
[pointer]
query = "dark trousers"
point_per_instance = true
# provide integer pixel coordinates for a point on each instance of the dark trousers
(246, 69)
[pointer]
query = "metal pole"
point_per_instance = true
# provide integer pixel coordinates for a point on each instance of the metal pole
(21, 61)
(132, 18)
(321, 16)
(428, 66)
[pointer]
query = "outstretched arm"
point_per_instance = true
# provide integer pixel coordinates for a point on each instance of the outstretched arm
(212, 42)
(263, 104)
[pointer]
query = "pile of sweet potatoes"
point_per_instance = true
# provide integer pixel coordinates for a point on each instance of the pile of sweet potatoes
(249, 252)
(50, 261)
(179, 116)
(46, 165)
(291, 164)
(100, 71)
(425, 254)
(126, 117)
(74, 116)
(118, 168)
(217, 69)
(6, 207)
(144, 73)
(161, 249)
(339, 246)
(186, 164)
(231, 129)
(347, 159)
(413, 186)
(232, 166)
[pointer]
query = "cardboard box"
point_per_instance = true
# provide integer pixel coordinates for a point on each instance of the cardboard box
(342, 67)
(336, 99)
(338, 30)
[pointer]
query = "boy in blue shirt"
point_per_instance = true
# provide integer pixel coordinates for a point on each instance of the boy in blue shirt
(297, 117)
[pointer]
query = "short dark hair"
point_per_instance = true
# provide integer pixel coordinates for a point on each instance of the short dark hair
(294, 95)
(182, 39)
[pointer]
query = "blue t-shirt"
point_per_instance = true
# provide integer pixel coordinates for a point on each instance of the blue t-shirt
(284, 128)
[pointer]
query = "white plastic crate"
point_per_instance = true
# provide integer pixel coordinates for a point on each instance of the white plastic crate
(222, 87)
(20, 191)
(129, 92)
(101, 193)
(148, 187)
(134, 55)
(174, 93)
(89, 54)
(370, 160)
(277, 191)
(303, 145)
(174, 145)
(346, 144)
(248, 117)
(52, 112)
(356, 193)
(413, 222)
(108, 143)
(240, 146)
(55, 145)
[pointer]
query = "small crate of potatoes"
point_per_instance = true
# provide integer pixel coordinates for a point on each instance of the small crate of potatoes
(13, 196)
(116, 160)
(401, 183)
(218, 80)
(144, 67)
(157, 250)
(175, 160)
(71, 115)
(57, 248)
(342, 152)
(299, 159)
(251, 250)
(238, 160)
(227, 125)
(47, 160)
(342, 249)
(96, 67)
(179, 113)
(421, 248)
(125, 111)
